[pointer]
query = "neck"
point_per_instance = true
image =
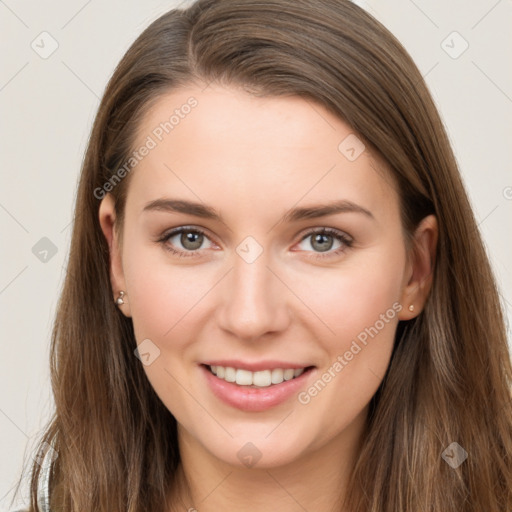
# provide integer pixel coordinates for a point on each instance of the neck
(317, 480)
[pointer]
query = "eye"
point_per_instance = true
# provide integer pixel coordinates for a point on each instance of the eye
(185, 241)
(323, 240)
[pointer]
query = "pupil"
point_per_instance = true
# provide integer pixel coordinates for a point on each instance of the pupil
(325, 242)
(191, 240)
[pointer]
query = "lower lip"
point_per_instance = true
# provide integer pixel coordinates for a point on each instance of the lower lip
(254, 399)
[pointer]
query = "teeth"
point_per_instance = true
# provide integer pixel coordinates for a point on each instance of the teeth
(288, 374)
(243, 378)
(259, 379)
(262, 379)
(230, 375)
(277, 376)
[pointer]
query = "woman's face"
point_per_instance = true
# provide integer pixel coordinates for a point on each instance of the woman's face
(291, 256)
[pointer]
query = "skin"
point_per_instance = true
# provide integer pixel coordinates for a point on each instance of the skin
(253, 159)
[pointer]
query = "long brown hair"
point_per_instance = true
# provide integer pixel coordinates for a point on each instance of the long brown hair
(450, 375)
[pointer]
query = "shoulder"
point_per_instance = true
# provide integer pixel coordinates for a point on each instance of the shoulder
(43, 489)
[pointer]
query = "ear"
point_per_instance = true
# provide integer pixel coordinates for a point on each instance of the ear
(107, 218)
(420, 268)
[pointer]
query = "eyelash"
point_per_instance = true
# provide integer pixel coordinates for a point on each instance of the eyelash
(345, 240)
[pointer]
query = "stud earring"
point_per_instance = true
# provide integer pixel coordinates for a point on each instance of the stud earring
(119, 301)
(411, 307)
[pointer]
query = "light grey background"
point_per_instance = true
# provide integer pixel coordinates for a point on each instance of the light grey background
(47, 107)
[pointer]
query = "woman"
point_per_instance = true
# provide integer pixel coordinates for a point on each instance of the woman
(277, 295)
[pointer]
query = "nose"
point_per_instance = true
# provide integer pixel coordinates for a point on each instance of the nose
(254, 301)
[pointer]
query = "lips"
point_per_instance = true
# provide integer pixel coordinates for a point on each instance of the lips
(240, 390)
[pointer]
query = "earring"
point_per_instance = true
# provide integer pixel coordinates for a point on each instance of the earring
(411, 307)
(119, 301)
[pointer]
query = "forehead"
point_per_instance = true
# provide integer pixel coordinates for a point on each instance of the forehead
(268, 152)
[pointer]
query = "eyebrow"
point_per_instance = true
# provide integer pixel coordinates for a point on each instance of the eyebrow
(293, 215)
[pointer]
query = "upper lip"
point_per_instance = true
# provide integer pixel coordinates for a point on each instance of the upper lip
(255, 366)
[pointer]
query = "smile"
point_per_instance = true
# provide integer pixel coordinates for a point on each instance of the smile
(260, 379)
(255, 391)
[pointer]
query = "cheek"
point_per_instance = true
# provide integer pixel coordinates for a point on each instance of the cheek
(164, 300)
(161, 294)
(361, 307)
(356, 296)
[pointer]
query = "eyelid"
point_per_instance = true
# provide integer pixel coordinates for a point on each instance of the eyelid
(326, 230)
(344, 238)
(168, 234)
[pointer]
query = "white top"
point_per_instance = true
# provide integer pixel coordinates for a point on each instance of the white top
(43, 490)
